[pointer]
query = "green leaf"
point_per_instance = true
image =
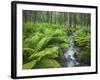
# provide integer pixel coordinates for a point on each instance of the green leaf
(28, 49)
(82, 37)
(26, 53)
(43, 42)
(32, 41)
(48, 63)
(47, 51)
(29, 65)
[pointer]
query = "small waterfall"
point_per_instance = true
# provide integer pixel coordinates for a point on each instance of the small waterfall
(70, 54)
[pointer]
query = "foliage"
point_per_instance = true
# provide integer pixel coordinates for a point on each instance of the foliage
(47, 33)
(85, 53)
(82, 40)
(41, 44)
(85, 56)
(82, 37)
(48, 63)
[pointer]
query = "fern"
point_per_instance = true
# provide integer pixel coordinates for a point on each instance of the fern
(45, 52)
(47, 63)
(29, 65)
(41, 44)
(82, 37)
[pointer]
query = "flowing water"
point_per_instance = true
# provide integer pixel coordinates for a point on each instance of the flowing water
(70, 55)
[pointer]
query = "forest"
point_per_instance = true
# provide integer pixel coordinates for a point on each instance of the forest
(54, 39)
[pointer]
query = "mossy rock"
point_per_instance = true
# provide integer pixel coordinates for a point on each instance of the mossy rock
(85, 57)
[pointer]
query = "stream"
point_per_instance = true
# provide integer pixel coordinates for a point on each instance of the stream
(71, 54)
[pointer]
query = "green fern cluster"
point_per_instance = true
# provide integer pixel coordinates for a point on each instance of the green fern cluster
(42, 43)
(82, 37)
